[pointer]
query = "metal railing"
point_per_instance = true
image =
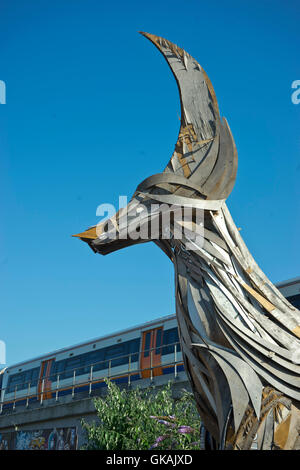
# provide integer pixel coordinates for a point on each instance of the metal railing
(42, 393)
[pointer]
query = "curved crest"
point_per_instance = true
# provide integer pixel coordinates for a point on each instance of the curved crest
(205, 152)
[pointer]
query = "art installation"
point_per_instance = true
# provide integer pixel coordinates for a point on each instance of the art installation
(239, 336)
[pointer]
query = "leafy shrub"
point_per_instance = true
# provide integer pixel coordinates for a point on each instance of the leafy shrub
(144, 419)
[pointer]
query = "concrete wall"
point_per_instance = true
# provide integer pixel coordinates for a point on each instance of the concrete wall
(68, 412)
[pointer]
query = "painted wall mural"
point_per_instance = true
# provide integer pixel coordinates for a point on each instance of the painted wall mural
(6, 441)
(43, 439)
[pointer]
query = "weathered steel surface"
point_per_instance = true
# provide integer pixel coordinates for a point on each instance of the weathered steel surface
(238, 333)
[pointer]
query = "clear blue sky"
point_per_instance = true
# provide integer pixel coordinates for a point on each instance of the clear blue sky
(92, 109)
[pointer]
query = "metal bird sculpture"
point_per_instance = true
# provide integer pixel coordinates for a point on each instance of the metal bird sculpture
(239, 336)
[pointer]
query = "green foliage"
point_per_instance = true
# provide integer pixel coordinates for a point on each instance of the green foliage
(143, 419)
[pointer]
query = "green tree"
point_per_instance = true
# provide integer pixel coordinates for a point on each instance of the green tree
(143, 419)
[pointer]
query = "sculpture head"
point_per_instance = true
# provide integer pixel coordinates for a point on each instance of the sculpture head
(204, 163)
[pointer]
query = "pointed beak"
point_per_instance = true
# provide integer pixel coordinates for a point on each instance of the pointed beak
(90, 234)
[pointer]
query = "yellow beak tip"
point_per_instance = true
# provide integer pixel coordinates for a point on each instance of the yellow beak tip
(89, 233)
